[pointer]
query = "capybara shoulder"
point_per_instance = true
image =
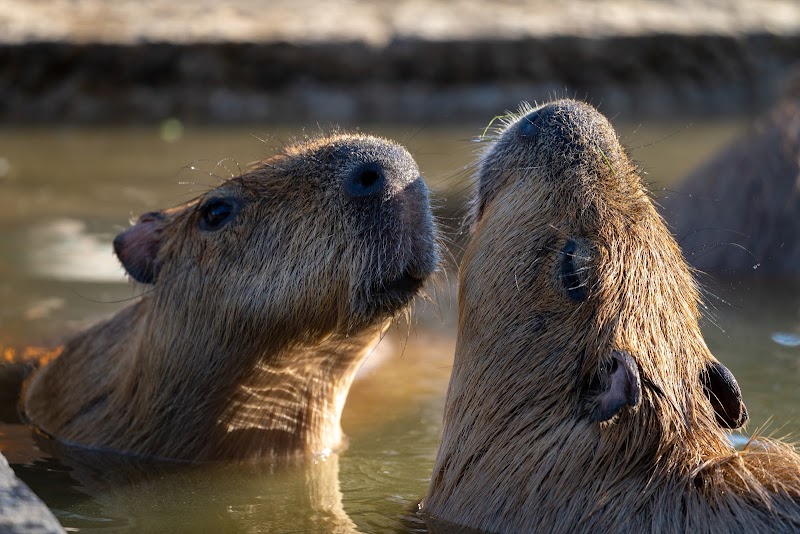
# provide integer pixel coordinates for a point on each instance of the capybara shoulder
(739, 213)
(583, 397)
(267, 293)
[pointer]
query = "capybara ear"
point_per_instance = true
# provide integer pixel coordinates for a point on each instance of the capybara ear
(620, 386)
(725, 396)
(137, 247)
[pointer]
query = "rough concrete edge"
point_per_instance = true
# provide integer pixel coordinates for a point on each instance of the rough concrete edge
(21, 511)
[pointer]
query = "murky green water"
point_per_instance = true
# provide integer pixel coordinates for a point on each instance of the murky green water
(64, 194)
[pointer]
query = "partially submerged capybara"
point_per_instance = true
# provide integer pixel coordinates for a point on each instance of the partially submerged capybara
(739, 213)
(583, 397)
(268, 293)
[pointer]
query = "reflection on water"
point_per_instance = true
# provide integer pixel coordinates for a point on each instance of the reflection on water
(62, 249)
(57, 274)
(785, 339)
(92, 490)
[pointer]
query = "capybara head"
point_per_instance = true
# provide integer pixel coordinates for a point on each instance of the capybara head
(268, 293)
(564, 230)
(333, 233)
(583, 396)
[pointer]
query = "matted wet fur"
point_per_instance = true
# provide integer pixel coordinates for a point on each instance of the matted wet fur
(739, 212)
(583, 397)
(269, 291)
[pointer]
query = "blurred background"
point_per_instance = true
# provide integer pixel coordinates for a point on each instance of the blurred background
(98, 61)
(109, 109)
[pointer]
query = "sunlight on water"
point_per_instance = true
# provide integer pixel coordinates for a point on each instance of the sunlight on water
(63, 250)
(787, 340)
(58, 274)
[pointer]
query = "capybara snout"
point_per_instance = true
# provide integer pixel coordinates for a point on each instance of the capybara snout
(557, 143)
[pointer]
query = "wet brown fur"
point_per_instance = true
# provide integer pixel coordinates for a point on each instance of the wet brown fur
(739, 213)
(248, 342)
(520, 449)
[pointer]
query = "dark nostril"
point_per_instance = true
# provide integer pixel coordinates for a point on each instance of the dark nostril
(365, 180)
(530, 124)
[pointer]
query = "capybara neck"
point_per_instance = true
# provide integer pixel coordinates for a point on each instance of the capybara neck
(268, 293)
(583, 397)
(242, 398)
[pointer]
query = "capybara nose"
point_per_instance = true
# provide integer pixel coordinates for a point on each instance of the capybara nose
(366, 180)
(535, 121)
(528, 126)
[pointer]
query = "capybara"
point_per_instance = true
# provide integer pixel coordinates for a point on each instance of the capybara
(268, 293)
(583, 397)
(739, 213)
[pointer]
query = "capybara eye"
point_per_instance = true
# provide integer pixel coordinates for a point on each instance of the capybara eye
(216, 213)
(570, 274)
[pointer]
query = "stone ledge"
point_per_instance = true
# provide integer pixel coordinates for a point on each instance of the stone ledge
(20, 510)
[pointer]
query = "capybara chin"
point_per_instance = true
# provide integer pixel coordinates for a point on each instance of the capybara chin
(583, 397)
(738, 214)
(268, 293)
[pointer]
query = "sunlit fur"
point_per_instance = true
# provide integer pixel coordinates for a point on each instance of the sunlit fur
(248, 342)
(739, 213)
(520, 451)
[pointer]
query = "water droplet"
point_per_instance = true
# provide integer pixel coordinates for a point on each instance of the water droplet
(756, 266)
(786, 339)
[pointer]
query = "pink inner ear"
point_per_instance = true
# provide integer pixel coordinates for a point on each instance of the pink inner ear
(623, 387)
(137, 247)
